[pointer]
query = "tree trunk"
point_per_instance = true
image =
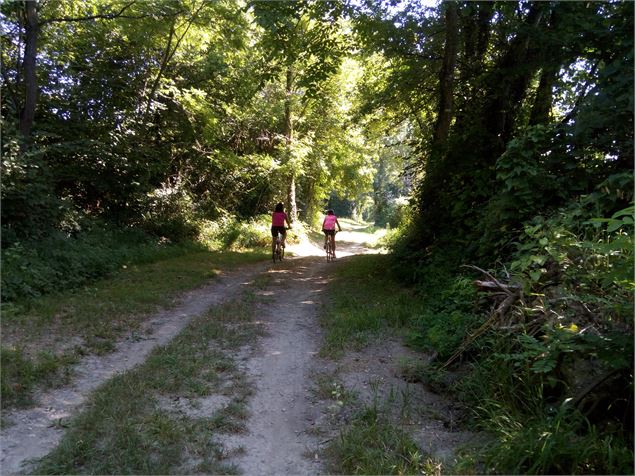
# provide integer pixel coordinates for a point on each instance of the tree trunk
(446, 76)
(27, 114)
(541, 109)
(509, 84)
(167, 54)
(476, 33)
(292, 205)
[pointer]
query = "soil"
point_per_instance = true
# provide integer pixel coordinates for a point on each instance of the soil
(289, 421)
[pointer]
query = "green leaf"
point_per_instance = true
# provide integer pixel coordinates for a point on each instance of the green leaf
(535, 275)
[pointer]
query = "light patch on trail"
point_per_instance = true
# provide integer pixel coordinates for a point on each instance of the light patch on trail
(194, 407)
(33, 432)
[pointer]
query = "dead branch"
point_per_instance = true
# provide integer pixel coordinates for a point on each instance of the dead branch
(511, 294)
(493, 283)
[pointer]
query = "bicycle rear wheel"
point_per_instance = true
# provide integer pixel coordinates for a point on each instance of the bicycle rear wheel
(278, 252)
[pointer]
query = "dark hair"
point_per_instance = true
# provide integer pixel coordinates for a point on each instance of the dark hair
(279, 207)
(330, 212)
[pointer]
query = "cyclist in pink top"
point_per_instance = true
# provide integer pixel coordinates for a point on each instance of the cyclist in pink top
(278, 217)
(328, 228)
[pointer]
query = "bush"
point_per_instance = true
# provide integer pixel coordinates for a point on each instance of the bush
(170, 214)
(450, 313)
(60, 261)
(229, 232)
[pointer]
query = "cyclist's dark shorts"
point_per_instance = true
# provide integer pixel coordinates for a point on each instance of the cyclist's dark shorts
(328, 232)
(278, 229)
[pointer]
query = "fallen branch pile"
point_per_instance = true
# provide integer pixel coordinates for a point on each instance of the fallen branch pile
(507, 294)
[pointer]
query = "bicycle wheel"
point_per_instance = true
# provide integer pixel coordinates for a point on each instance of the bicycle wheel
(278, 252)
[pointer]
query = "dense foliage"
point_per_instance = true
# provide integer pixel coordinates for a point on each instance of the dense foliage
(522, 119)
(163, 116)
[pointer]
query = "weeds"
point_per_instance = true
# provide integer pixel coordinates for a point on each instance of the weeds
(364, 301)
(373, 445)
(125, 430)
(20, 373)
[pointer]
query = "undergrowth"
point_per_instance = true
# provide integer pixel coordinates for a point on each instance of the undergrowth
(554, 382)
(552, 378)
(367, 297)
(63, 260)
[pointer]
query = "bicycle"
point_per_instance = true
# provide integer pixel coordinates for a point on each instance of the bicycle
(330, 248)
(278, 252)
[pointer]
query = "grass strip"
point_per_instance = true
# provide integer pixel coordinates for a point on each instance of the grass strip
(127, 426)
(364, 300)
(54, 330)
(371, 444)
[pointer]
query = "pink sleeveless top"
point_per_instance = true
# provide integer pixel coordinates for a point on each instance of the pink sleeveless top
(277, 218)
(329, 222)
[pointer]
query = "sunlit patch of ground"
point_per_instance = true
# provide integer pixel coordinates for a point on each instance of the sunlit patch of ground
(355, 238)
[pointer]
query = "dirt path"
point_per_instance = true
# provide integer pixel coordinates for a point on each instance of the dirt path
(287, 422)
(282, 409)
(35, 431)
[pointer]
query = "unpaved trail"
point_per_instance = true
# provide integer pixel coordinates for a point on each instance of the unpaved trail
(282, 409)
(35, 431)
(288, 423)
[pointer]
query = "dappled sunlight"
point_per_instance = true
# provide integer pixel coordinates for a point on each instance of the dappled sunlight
(265, 293)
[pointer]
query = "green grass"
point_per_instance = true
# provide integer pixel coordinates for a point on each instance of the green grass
(371, 444)
(96, 316)
(20, 374)
(126, 430)
(365, 301)
(561, 443)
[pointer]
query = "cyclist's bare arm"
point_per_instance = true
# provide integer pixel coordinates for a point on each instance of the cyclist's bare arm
(338, 224)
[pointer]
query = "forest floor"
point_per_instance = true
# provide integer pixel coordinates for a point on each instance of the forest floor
(288, 401)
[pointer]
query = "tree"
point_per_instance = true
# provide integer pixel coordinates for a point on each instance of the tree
(301, 42)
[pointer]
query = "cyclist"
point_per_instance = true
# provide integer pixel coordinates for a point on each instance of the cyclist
(328, 228)
(278, 217)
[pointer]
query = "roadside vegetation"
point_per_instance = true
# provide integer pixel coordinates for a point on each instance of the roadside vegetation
(548, 376)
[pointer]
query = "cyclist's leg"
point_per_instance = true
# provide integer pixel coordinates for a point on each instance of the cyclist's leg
(333, 243)
(274, 238)
(283, 238)
(326, 237)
